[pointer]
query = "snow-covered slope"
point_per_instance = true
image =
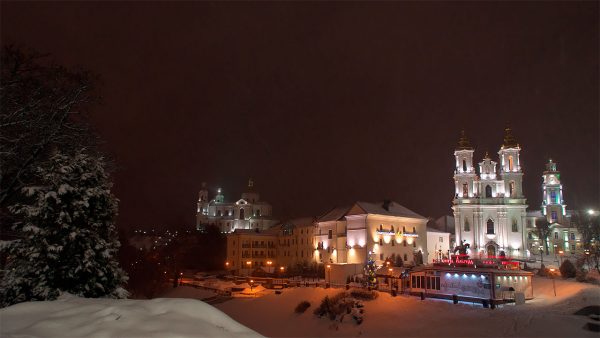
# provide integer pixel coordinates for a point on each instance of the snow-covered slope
(71, 316)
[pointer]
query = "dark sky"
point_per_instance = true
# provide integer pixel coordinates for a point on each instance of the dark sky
(327, 103)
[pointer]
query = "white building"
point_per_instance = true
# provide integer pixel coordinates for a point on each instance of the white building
(348, 235)
(489, 207)
(248, 212)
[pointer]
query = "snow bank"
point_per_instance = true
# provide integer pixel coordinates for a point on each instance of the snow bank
(71, 316)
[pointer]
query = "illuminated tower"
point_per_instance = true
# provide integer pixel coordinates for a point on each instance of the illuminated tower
(553, 206)
(510, 166)
(464, 173)
(250, 195)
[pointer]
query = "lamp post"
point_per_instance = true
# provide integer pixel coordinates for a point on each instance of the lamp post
(251, 284)
(329, 274)
(390, 270)
(560, 252)
(269, 263)
(552, 276)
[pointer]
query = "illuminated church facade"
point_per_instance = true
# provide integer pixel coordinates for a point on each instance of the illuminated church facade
(489, 205)
(248, 212)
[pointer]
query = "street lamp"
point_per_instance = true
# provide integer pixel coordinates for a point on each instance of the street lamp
(553, 283)
(591, 212)
(560, 252)
(251, 284)
(329, 273)
(390, 270)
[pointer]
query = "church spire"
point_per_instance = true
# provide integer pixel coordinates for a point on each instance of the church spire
(509, 139)
(463, 142)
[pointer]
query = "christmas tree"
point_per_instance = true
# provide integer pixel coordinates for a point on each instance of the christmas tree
(67, 239)
(370, 271)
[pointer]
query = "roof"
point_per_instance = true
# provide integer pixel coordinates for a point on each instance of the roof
(430, 229)
(393, 209)
(301, 221)
(534, 213)
(334, 214)
(268, 232)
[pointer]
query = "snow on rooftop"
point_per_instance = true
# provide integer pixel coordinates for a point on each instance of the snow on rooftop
(71, 316)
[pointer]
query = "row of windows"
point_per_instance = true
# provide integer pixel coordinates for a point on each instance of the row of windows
(488, 190)
(425, 282)
(292, 241)
(414, 230)
(414, 243)
(490, 230)
(219, 213)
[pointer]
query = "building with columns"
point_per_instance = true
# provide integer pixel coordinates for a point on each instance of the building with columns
(489, 205)
(248, 212)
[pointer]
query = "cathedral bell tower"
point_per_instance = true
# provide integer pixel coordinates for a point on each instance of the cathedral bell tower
(510, 166)
(553, 206)
(464, 173)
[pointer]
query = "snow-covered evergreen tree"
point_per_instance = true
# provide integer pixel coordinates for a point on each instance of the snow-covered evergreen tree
(68, 241)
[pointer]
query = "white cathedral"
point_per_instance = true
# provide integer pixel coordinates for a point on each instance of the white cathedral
(489, 206)
(248, 212)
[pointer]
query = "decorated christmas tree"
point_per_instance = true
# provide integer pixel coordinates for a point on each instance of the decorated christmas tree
(370, 268)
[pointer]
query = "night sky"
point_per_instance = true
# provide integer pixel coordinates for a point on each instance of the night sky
(323, 104)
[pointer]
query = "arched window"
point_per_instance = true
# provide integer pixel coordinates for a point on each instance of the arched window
(465, 190)
(467, 226)
(488, 191)
(258, 212)
(490, 227)
(510, 163)
(241, 213)
(515, 226)
(464, 166)
(218, 213)
(511, 189)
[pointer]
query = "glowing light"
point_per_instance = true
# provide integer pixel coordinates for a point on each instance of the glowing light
(361, 242)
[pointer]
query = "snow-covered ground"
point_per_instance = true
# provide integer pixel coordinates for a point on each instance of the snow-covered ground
(273, 315)
(71, 316)
(545, 316)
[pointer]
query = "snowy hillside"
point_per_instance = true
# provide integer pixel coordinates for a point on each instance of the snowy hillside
(71, 316)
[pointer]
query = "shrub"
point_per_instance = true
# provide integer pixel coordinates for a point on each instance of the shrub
(581, 275)
(567, 269)
(300, 308)
(363, 294)
(335, 306)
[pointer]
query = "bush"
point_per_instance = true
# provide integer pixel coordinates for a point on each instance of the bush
(363, 294)
(301, 308)
(581, 276)
(567, 269)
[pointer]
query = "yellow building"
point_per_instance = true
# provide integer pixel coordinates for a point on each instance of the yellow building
(248, 250)
(295, 242)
